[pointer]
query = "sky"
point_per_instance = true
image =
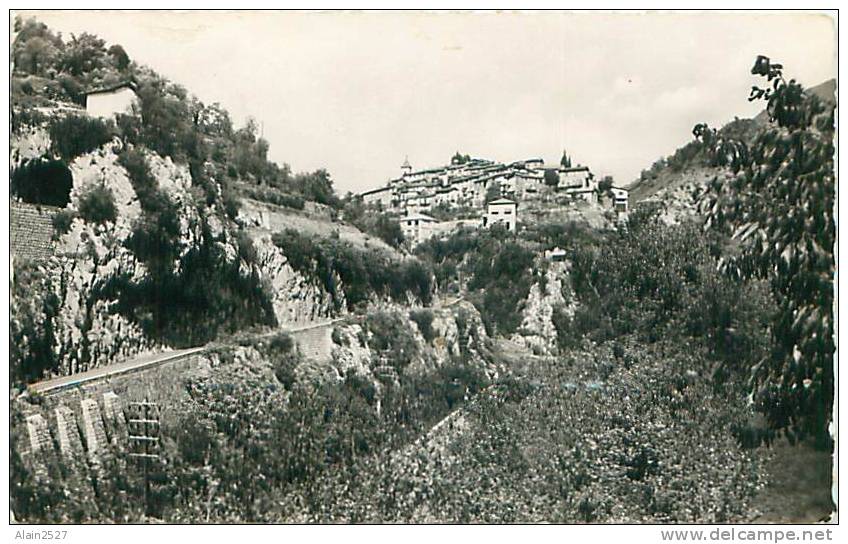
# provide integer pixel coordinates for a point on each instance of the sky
(356, 93)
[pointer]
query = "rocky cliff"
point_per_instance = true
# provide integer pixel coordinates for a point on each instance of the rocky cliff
(553, 290)
(89, 328)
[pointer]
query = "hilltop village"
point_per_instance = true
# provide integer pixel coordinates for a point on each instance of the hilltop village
(489, 192)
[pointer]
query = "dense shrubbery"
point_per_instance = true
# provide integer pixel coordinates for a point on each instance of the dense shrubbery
(168, 119)
(252, 447)
(578, 440)
(656, 281)
(373, 222)
(75, 135)
(62, 221)
(188, 299)
(142, 180)
(499, 268)
(42, 181)
(424, 320)
(33, 306)
(391, 337)
(363, 273)
(97, 205)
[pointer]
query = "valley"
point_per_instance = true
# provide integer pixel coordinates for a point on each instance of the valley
(479, 342)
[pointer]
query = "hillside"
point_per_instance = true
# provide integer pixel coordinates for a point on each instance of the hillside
(685, 171)
(156, 219)
(587, 367)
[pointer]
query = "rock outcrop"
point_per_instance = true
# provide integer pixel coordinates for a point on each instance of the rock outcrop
(296, 299)
(537, 331)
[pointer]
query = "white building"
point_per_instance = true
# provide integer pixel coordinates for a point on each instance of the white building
(381, 196)
(417, 227)
(578, 183)
(620, 199)
(111, 101)
(502, 210)
(556, 254)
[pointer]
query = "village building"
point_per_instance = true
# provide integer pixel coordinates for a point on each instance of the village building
(578, 183)
(417, 227)
(620, 199)
(381, 197)
(470, 182)
(556, 255)
(111, 101)
(502, 211)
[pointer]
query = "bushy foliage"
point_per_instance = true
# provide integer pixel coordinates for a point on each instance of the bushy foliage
(272, 196)
(33, 307)
(36, 49)
(551, 178)
(778, 203)
(423, 318)
(372, 221)
(42, 181)
(242, 447)
(189, 298)
(72, 88)
(75, 135)
(363, 273)
(97, 205)
(23, 117)
(391, 337)
(62, 221)
(656, 281)
(168, 120)
(575, 441)
(498, 268)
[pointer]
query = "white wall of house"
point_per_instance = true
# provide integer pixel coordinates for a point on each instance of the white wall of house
(620, 199)
(382, 197)
(417, 228)
(502, 211)
(574, 178)
(109, 104)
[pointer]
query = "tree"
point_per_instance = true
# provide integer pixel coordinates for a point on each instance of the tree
(42, 181)
(36, 48)
(317, 186)
(97, 205)
(493, 191)
(36, 55)
(565, 161)
(83, 54)
(777, 200)
(214, 120)
(459, 158)
(605, 184)
(551, 177)
(119, 57)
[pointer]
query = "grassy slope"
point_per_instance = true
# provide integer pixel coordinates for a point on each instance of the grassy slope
(281, 218)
